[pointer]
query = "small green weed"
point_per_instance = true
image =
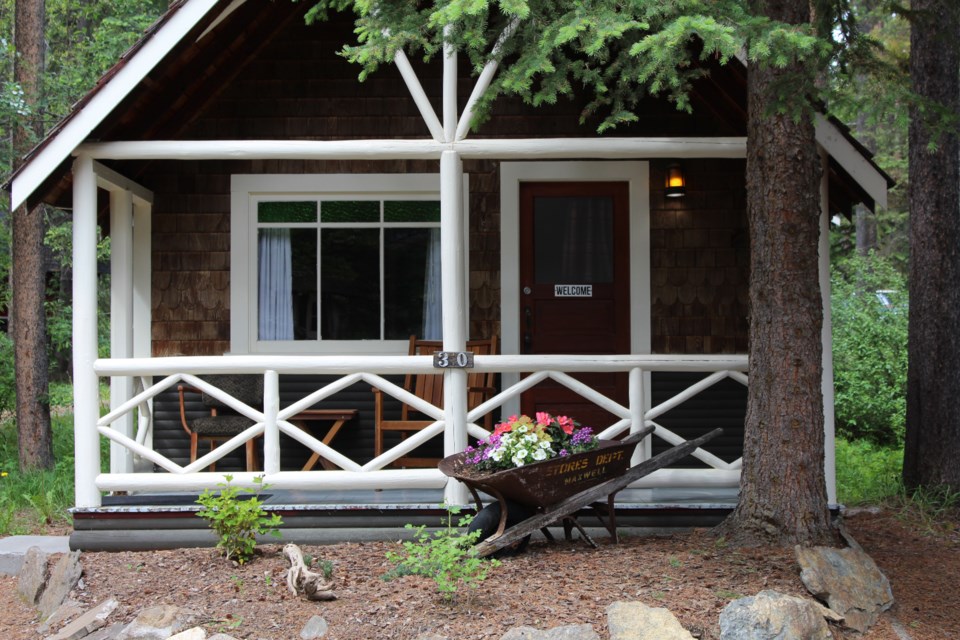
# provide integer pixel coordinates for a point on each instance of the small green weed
(238, 522)
(724, 594)
(446, 556)
(675, 562)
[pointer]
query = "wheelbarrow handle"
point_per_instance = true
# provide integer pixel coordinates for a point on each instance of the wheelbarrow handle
(634, 438)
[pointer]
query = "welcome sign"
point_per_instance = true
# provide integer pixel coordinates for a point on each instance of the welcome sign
(573, 290)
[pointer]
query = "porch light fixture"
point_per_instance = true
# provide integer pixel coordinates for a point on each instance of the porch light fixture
(676, 182)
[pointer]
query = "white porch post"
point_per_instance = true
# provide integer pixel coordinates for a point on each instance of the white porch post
(453, 260)
(829, 425)
(85, 386)
(271, 433)
(142, 306)
(121, 318)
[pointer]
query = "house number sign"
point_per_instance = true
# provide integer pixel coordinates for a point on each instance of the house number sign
(453, 360)
(573, 291)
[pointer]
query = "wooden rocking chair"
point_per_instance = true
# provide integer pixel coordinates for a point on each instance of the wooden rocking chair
(222, 423)
(429, 387)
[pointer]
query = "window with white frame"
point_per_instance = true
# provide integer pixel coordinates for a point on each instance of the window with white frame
(347, 263)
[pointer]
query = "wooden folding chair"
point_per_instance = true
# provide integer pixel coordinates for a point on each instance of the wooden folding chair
(429, 387)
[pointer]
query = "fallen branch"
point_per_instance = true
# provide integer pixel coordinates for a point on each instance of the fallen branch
(301, 581)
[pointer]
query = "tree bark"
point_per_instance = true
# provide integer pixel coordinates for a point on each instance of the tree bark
(783, 497)
(28, 319)
(932, 446)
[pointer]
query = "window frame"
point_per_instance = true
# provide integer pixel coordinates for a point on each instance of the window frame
(249, 189)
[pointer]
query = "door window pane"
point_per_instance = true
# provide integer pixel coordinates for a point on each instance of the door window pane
(411, 211)
(573, 239)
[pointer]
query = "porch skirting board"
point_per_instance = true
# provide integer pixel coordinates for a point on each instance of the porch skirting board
(120, 529)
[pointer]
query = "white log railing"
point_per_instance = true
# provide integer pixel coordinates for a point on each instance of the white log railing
(271, 420)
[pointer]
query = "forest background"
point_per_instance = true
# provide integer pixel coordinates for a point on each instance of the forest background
(869, 280)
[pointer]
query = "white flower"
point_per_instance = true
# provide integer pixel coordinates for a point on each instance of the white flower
(518, 460)
(539, 454)
(530, 437)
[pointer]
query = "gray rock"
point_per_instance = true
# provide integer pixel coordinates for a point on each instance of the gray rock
(316, 627)
(111, 632)
(196, 633)
(33, 575)
(773, 616)
(637, 621)
(63, 578)
(566, 632)
(90, 621)
(158, 623)
(67, 611)
(849, 581)
(221, 636)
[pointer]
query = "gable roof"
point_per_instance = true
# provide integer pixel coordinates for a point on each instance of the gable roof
(197, 46)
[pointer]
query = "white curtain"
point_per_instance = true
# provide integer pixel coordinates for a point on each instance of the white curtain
(276, 285)
(432, 311)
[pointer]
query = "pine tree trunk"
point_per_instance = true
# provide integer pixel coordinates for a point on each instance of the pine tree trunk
(28, 320)
(932, 447)
(783, 496)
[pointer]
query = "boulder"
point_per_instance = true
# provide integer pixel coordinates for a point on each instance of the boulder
(773, 616)
(316, 627)
(158, 623)
(566, 632)
(33, 575)
(63, 578)
(636, 621)
(848, 581)
(88, 622)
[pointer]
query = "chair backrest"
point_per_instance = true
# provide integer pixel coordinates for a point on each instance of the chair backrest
(248, 389)
(429, 387)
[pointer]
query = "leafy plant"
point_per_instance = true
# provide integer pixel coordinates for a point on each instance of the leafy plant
(867, 472)
(238, 519)
(870, 350)
(446, 556)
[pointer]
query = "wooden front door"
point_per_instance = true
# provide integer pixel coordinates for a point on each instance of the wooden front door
(574, 287)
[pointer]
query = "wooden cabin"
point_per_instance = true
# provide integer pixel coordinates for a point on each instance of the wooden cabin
(234, 127)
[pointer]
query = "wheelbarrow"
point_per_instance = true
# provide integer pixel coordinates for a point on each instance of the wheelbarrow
(556, 489)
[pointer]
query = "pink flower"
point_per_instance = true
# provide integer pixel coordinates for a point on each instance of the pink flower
(566, 423)
(502, 428)
(544, 418)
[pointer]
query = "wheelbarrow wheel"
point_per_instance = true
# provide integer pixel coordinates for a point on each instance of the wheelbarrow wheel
(488, 520)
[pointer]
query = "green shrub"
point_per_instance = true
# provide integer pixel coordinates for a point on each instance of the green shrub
(869, 350)
(867, 472)
(446, 556)
(238, 520)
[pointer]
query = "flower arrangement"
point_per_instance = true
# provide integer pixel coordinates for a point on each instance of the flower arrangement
(522, 440)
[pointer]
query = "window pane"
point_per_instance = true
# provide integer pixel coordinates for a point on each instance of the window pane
(287, 284)
(350, 211)
(411, 211)
(281, 211)
(409, 280)
(350, 284)
(574, 240)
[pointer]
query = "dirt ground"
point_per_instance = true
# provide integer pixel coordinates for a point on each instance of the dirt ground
(692, 574)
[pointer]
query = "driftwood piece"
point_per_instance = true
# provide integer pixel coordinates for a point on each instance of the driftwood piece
(300, 580)
(577, 501)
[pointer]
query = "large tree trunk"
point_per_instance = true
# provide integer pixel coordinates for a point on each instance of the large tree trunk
(783, 497)
(932, 448)
(28, 320)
